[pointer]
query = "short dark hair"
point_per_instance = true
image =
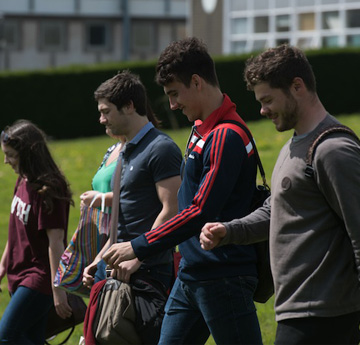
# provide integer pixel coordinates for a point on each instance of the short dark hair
(182, 59)
(278, 67)
(122, 89)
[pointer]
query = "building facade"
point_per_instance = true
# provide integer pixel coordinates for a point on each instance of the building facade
(251, 25)
(38, 34)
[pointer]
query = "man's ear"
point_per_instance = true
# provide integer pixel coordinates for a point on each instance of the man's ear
(196, 81)
(129, 107)
(298, 84)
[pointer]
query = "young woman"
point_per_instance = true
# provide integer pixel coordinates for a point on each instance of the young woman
(37, 235)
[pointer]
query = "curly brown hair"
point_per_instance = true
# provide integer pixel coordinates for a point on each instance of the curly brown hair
(278, 67)
(182, 59)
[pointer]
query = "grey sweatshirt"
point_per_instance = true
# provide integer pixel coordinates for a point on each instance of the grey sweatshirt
(313, 225)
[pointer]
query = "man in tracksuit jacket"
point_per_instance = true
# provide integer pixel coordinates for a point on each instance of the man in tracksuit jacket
(214, 290)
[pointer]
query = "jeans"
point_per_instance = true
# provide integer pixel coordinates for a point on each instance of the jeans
(223, 307)
(100, 273)
(343, 329)
(25, 317)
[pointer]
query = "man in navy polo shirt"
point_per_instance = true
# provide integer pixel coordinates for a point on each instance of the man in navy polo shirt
(150, 175)
(214, 290)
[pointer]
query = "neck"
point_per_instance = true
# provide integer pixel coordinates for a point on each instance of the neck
(213, 99)
(310, 116)
(137, 123)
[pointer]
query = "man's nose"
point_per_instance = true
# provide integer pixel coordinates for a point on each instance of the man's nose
(173, 104)
(102, 118)
(264, 111)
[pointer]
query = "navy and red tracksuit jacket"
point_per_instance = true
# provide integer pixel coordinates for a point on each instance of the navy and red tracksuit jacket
(219, 179)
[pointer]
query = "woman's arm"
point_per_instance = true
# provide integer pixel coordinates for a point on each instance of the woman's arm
(88, 196)
(3, 263)
(56, 248)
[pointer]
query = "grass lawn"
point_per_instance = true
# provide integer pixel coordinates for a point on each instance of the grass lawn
(80, 158)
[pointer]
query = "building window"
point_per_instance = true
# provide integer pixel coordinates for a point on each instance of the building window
(307, 21)
(282, 23)
(353, 40)
(326, 2)
(305, 42)
(331, 20)
(353, 18)
(239, 26)
(259, 45)
(143, 38)
(238, 47)
(261, 24)
(52, 36)
(11, 34)
(180, 31)
(330, 41)
(98, 36)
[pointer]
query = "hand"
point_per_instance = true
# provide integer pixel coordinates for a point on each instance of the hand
(89, 273)
(118, 253)
(88, 196)
(61, 304)
(211, 235)
(125, 270)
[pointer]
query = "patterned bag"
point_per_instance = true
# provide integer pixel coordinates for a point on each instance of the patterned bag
(89, 237)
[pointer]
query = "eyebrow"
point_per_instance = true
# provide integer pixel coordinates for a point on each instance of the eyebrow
(169, 92)
(263, 97)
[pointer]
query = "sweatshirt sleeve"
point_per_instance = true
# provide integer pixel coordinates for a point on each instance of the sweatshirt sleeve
(223, 156)
(250, 229)
(337, 172)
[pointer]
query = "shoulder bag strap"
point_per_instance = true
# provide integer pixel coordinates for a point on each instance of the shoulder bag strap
(257, 156)
(115, 202)
(321, 136)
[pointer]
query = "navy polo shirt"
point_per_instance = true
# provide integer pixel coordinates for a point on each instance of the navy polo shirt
(151, 156)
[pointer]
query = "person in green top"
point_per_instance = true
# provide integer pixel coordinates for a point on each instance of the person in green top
(101, 182)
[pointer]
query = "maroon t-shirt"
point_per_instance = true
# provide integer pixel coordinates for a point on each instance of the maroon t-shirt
(28, 245)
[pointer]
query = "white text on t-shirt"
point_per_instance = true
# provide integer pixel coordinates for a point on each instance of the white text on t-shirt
(22, 209)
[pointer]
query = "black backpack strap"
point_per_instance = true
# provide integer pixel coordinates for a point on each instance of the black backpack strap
(338, 128)
(257, 156)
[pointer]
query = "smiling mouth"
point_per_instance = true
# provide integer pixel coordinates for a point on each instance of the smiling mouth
(272, 117)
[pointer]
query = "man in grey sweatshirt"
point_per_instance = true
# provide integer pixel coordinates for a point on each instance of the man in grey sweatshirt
(313, 223)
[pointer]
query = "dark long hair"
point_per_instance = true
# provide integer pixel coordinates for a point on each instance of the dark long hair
(36, 162)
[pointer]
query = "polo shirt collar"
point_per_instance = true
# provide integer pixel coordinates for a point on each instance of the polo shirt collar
(143, 131)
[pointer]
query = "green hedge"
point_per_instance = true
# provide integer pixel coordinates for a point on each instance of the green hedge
(61, 101)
